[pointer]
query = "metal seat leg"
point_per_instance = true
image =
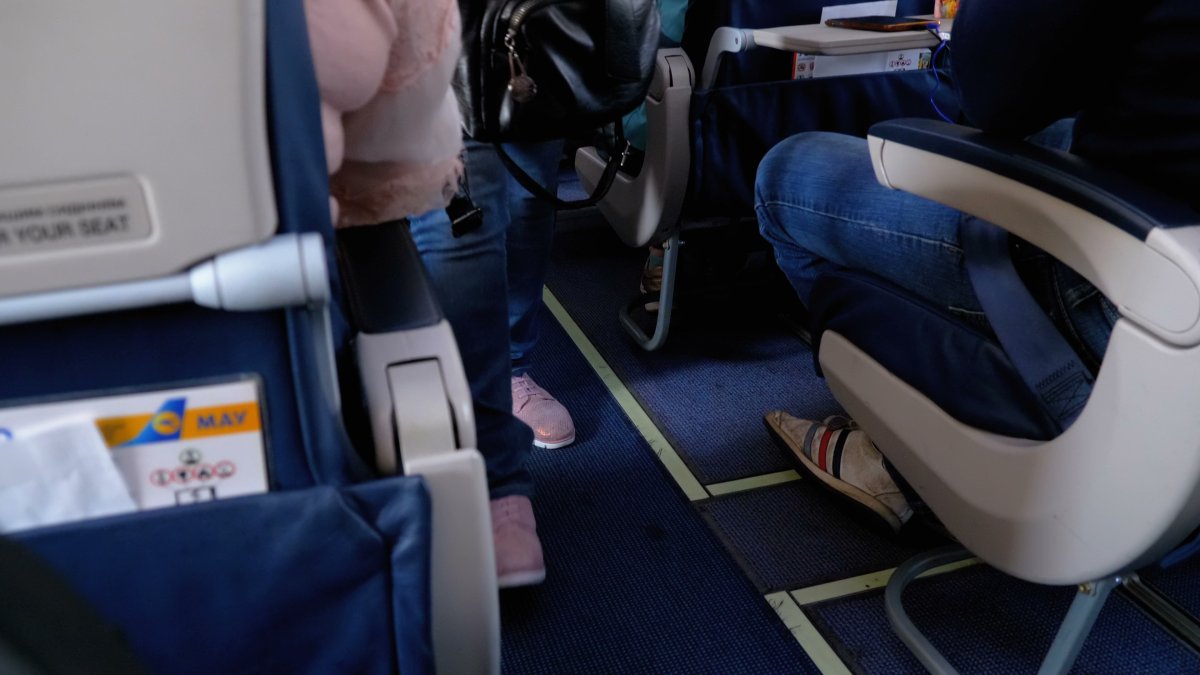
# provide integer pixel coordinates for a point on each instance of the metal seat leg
(666, 295)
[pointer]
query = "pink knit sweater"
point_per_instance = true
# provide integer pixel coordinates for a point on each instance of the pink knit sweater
(391, 122)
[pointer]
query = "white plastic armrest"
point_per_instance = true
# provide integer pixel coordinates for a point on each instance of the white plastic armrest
(465, 601)
(1073, 508)
(1154, 282)
(1064, 511)
(417, 394)
(638, 207)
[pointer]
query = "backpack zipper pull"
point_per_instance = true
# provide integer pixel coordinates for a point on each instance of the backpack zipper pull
(520, 85)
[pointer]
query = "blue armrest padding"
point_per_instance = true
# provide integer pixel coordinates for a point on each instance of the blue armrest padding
(386, 285)
(1134, 208)
(319, 580)
(960, 369)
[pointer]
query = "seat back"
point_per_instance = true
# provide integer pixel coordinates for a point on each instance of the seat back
(105, 142)
(704, 17)
(754, 103)
(130, 226)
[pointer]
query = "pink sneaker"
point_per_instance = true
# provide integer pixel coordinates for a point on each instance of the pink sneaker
(518, 551)
(550, 421)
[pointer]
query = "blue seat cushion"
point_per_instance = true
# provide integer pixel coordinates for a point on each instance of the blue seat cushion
(733, 127)
(321, 580)
(957, 367)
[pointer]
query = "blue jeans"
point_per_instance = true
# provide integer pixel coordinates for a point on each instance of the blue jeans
(530, 234)
(488, 280)
(819, 205)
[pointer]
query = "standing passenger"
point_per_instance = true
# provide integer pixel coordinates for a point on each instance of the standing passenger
(393, 143)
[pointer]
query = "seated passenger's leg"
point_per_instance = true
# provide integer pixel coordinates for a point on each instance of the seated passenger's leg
(819, 205)
(469, 275)
(530, 235)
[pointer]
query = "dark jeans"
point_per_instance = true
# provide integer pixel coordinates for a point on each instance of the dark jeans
(489, 282)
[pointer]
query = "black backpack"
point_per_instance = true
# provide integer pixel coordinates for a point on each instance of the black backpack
(536, 70)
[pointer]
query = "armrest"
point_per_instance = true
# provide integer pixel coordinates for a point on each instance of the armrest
(1136, 246)
(420, 410)
(385, 283)
(406, 350)
(639, 206)
(465, 604)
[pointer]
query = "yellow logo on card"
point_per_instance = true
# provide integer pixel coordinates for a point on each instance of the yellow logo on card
(166, 423)
(180, 424)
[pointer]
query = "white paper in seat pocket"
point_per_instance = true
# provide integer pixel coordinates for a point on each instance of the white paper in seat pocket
(58, 473)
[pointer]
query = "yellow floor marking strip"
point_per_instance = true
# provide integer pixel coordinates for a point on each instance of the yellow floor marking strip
(753, 482)
(806, 634)
(862, 583)
(784, 603)
(624, 398)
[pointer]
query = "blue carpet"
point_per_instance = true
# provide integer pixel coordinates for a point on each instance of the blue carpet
(725, 365)
(797, 535)
(636, 583)
(1180, 583)
(987, 622)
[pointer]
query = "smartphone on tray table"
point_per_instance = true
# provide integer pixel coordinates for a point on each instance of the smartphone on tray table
(885, 24)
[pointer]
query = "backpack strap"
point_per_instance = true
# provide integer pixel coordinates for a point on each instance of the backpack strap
(615, 161)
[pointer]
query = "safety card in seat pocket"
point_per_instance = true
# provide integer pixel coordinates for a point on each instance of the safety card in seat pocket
(175, 446)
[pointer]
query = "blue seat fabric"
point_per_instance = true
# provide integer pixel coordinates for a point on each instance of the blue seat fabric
(733, 127)
(166, 347)
(322, 580)
(755, 103)
(959, 368)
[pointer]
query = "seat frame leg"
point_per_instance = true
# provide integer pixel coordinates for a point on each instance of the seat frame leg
(903, 626)
(1072, 633)
(666, 296)
(1077, 625)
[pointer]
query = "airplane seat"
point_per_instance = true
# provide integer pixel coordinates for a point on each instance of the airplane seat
(170, 275)
(1066, 480)
(707, 129)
